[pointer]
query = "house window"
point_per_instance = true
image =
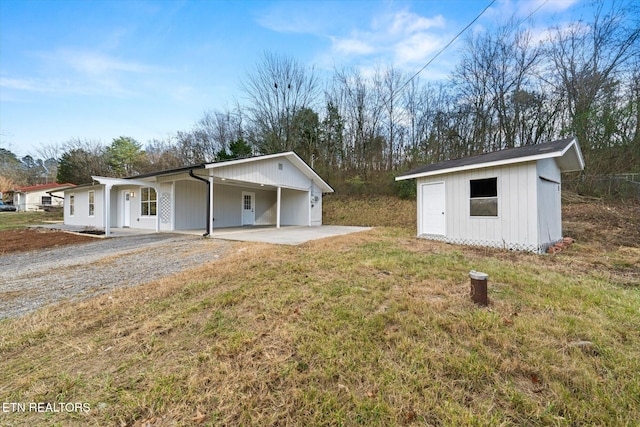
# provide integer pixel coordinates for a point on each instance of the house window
(45, 200)
(92, 203)
(72, 204)
(483, 200)
(148, 201)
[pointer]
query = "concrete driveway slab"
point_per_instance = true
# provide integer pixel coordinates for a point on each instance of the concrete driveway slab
(285, 235)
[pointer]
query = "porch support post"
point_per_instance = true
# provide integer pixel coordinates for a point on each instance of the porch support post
(107, 210)
(309, 203)
(278, 203)
(157, 208)
(211, 203)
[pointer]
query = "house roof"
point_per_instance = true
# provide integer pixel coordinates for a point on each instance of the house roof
(566, 153)
(289, 155)
(168, 171)
(43, 187)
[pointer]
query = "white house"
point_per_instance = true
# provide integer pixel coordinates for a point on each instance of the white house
(277, 189)
(508, 199)
(39, 197)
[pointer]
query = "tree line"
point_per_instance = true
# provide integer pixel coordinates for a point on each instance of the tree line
(510, 88)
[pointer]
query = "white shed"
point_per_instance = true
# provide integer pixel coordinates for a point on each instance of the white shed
(508, 199)
(277, 189)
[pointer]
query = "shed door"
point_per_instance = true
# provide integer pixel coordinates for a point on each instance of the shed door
(432, 218)
(248, 208)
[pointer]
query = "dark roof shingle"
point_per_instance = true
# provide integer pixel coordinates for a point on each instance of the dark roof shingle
(495, 156)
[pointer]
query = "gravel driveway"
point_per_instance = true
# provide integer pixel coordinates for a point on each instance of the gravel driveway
(31, 280)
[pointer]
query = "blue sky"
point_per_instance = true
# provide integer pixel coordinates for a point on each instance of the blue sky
(146, 69)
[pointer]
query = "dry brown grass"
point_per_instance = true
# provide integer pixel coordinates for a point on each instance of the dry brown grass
(372, 211)
(374, 328)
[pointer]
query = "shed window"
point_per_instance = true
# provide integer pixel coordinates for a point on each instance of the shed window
(483, 200)
(92, 204)
(72, 204)
(148, 201)
(45, 200)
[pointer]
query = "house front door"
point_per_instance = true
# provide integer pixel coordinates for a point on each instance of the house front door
(248, 208)
(432, 218)
(126, 209)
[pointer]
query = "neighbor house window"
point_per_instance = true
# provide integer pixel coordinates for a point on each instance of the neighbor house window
(483, 197)
(45, 200)
(149, 201)
(92, 202)
(72, 204)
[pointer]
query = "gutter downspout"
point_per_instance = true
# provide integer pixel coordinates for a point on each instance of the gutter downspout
(206, 181)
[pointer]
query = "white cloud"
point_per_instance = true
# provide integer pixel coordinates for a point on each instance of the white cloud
(416, 48)
(506, 9)
(19, 84)
(400, 38)
(351, 46)
(96, 63)
(81, 72)
(406, 23)
(526, 7)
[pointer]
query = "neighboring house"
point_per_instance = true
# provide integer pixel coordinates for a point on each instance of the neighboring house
(39, 197)
(508, 199)
(278, 189)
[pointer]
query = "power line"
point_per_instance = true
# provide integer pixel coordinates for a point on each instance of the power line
(455, 38)
(446, 46)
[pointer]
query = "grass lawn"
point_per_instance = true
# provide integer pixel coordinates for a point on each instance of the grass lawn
(374, 328)
(12, 220)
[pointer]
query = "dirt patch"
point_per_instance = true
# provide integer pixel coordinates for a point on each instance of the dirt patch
(610, 225)
(29, 239)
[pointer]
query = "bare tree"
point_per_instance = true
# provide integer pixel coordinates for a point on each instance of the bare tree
(495, 79)
(588, 59)
(82, 159)
(389, 84)
(278, 89)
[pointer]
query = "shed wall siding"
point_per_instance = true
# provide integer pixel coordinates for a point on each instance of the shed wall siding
(515, 227)
(549, 203)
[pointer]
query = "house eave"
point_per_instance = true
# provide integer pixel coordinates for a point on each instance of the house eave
(574, 163)
(290, 155)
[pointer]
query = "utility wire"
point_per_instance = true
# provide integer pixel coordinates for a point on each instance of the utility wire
(456, 38)
(445, 47)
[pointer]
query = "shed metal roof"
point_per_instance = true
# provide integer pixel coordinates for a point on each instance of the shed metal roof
(566, 152)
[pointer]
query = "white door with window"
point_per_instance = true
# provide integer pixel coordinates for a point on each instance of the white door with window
(126, 208)
(432, 216)
(248, 208)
